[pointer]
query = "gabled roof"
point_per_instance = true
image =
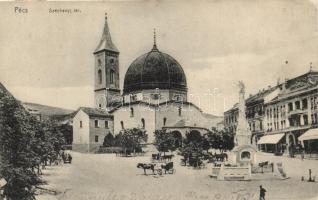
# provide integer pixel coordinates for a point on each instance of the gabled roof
(106, 42)
(94, 112)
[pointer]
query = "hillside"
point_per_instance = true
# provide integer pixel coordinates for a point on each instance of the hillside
(46, 110)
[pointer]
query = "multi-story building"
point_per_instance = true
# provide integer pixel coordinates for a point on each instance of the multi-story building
(279, 115)
(292, 112)
(254, 113)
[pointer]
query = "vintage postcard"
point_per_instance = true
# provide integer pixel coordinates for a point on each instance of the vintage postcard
(159, 100)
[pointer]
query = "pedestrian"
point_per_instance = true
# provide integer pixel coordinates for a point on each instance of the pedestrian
(261, 193)
(302, 154)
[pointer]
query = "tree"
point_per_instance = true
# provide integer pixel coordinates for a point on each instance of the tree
(109, 140)
(228, 140)
(67, 132)
(192, 148)
(130, 139)
(17, 136)
(24, 143)
(206, 145)
(165, 141)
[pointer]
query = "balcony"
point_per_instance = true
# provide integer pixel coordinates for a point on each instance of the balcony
(289, 129)
(297, 112)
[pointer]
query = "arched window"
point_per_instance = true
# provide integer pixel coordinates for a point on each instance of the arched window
(131, 112)
(122, 124)
(112, 76)
(143, 123)
(164, 121)
(100, 77)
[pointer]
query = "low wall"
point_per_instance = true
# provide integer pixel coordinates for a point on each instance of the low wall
(215, 171)
(234, 173)
(110, 150)
(82, 148)
(85, 148)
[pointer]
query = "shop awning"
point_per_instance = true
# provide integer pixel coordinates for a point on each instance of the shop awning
(271, 139)
(311, 134)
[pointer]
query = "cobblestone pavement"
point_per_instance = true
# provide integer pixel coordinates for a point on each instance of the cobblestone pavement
(107, 177)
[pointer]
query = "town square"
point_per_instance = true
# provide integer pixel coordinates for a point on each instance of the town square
(149, 100)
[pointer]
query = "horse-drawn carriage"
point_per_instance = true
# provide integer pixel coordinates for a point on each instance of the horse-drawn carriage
(67, 158)
(157, 169)
(217, 157)
(157, 157)
(193, 159)
(168, 168)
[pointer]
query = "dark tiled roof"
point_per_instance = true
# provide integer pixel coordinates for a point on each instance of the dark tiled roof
(94, 112)
(106, 42)
(154, 70)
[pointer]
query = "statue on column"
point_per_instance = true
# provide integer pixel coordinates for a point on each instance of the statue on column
(243, 152)
(243, 133)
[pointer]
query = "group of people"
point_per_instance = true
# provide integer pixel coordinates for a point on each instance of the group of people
(67, 158)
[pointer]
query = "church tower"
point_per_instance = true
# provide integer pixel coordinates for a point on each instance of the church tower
(107, 92)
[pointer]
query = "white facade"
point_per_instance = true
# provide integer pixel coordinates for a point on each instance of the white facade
(81, 128)
(153, 117)
(89, 131)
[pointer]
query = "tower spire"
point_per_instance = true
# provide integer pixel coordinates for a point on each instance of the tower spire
(106, 42)
(154, 40)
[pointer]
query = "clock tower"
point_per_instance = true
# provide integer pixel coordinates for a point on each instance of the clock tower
(107, 92)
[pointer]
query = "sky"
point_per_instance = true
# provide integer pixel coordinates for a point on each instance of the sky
(47, 58)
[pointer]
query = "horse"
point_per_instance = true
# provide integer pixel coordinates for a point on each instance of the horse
(147, 166)
(155, 156)
(166, 157)
(221, 157)
(168, 167)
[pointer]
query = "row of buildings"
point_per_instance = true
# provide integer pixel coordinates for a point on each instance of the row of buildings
(282, 118)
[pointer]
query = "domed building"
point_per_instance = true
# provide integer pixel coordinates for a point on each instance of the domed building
(152, 73)
(154, 97)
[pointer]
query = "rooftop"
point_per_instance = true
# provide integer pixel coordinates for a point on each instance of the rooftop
(94, 112)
